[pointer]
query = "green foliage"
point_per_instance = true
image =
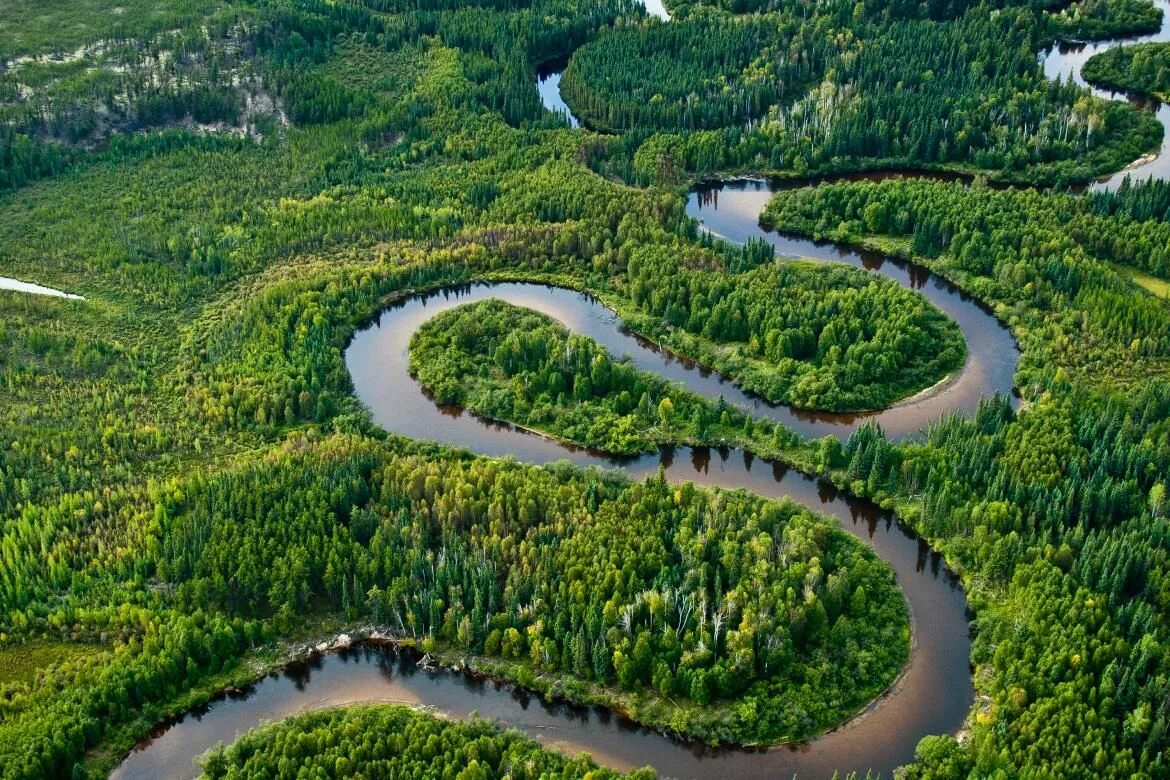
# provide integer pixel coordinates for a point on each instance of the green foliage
(39, 28)
(874, 90)
(559, 571)
(1144, 201)
(1143, 67)
(514, 364)
(1092, 19)
(692, 75)
(1038, 253)
(234, 187)
(45, 729)
(192, 76)
(395, 742)
(808, 335)
(23, 663)
(1057, 513)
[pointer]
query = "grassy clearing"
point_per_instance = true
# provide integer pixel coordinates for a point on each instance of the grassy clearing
(20, 663)
(1159, 288)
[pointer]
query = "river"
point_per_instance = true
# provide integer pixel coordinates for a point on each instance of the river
(8, 283)
(1063, 60)
(933, 696)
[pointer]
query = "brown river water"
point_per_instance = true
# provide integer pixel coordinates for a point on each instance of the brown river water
(934, 694)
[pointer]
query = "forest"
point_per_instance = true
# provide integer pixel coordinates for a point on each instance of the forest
(813, 337)
(1048, 524)
(509, 363)
(1143, 68)
(394, 742)
(512, 364)
(882, 92)
(191, 492)
(666, 81)
(1094, 19)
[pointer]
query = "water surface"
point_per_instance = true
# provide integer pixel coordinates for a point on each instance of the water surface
(1065, 60)
(548, 76)
(548, 84)
(8, 283)
(932, 696)
(731, 210)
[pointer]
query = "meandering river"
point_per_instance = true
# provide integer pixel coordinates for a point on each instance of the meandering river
(933, 695)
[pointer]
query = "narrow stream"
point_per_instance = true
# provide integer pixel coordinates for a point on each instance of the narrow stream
(548, 83)
(8, 283)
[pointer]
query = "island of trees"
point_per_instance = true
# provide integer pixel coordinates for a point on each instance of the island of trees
(1142, 68)
(189, 488)
(395, 742)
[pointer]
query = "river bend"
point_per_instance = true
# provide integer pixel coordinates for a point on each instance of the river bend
(934, 694)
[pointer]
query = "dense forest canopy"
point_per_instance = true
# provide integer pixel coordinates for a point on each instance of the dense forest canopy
(875, 87)
(190, 490)
(1061, 502)
(1143, 68)
(695, 74)
(1092, 19)
(813, 337)
(395, 742)
(513, 364)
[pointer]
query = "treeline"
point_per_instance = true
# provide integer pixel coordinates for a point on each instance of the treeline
(218, 305)
(1062, 511)
(822, 337)
(22, 159)
(1143, 201)
(251, 68)
(1059, 512)
(695, 74)
(1143, 67)
(851, 341)
(467, 556)
(1096, 19)
(653, 589)
(47, 729)
(1019, 247)
(395, 742)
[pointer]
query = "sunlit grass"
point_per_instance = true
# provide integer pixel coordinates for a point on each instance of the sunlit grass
(20, 663)
(1159, 288)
